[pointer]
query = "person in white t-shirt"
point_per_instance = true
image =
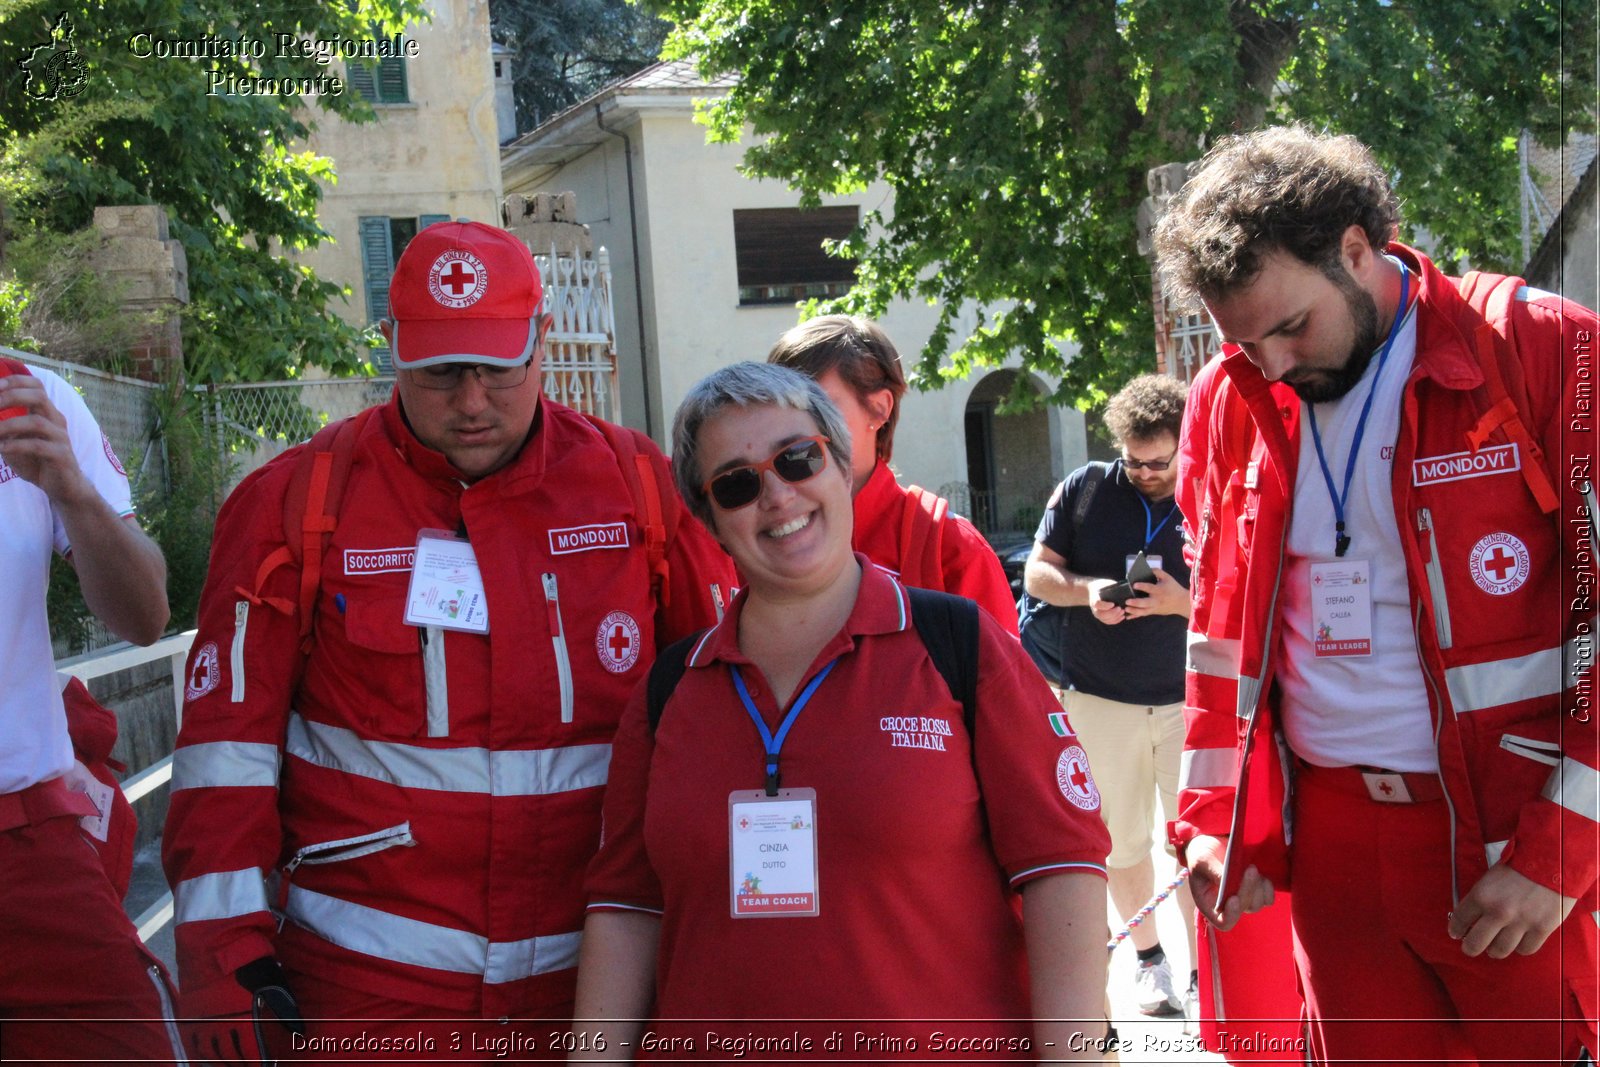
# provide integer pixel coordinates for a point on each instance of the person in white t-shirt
(69, 956)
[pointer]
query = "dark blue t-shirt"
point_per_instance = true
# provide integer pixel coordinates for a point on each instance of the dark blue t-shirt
(1138, 661)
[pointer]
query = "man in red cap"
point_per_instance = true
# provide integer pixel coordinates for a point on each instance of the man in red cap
(416, 638)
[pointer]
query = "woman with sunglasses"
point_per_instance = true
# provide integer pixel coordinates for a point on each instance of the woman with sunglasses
(809, 831)
(908, 530)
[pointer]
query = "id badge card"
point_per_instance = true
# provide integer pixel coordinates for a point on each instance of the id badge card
(1341, 607)
(446, 588)
(772, 847)
(1152, 558)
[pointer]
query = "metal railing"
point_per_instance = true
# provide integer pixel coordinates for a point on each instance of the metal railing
(120, 658)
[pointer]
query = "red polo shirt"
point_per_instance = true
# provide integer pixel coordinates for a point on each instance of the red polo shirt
(921, 843)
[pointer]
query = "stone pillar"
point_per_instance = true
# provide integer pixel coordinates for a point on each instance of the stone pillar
(1184, 341)
(546, 219)
(150, 273)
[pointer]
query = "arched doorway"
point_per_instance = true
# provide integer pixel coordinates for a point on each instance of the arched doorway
(1009, 456)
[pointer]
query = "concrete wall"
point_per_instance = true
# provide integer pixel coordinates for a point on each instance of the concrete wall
(437, 155)
(685, 192)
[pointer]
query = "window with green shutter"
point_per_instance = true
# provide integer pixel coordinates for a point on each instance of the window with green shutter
(381, 83)
(383, 238)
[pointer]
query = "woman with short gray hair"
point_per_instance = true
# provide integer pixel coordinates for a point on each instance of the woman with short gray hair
(805, 822)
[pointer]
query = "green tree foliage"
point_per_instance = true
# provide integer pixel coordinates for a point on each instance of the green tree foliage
(1016, 134)
(231, 170)
(568, 49)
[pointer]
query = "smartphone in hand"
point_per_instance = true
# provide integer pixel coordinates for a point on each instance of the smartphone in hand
(1138, 571)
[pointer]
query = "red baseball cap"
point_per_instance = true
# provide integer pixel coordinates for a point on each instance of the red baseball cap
(464, 292)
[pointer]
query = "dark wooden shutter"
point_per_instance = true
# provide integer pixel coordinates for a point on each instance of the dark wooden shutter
(377, 265)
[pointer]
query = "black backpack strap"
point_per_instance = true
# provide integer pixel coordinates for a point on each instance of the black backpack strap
(1093, 475)
(665, 674)
(948, 626)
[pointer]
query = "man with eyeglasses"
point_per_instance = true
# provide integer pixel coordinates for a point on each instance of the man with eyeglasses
(1123, 658)
(383, 812)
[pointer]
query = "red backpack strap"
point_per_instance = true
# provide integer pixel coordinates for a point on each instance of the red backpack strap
(310, 515)
(639, 470)
(1492, 296)
(921, 538)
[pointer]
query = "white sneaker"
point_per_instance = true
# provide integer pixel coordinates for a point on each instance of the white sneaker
(1153, 989)
(1191, 1008)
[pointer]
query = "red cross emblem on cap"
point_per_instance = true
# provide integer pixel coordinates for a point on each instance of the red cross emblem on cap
(457, 279)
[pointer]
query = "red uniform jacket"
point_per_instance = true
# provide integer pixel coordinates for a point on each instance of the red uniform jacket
(967, 565)
(419, 815)
(1510, 675)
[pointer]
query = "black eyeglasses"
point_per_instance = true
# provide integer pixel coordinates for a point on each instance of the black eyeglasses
(1157, 465)
(797, 461)
(443, 376)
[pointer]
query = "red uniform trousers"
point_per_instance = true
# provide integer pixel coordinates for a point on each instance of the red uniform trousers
(69, 956)
(1384, 982)
(345, 1024)
(1250, 1008)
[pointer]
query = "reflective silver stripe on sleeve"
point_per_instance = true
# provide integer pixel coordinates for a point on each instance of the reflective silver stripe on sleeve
(436, 681)
(1476, 686)
(221, 764)
(1207, 768)
(421, 944)
(1249, 690)
(1214, 656)
(223, 895)
(516, 773)
(1576, 787)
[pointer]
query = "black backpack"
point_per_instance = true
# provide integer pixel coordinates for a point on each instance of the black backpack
(1042, 626)
(947, 624)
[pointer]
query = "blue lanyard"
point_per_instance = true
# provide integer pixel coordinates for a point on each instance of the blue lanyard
(1341, 540)
(771, 743)
(1150, 533)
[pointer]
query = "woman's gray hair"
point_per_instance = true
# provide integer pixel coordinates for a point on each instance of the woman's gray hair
(744, 385)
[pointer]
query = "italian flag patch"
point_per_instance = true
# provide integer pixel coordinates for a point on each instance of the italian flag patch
(1058, 723)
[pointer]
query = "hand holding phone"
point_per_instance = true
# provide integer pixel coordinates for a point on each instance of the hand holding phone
(1138, 571)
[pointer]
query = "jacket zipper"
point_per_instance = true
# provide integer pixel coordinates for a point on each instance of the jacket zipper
(558, 638)
(345, 848)
(1441, 604)
(1438, 711)
(241, 619)
(350, 848)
